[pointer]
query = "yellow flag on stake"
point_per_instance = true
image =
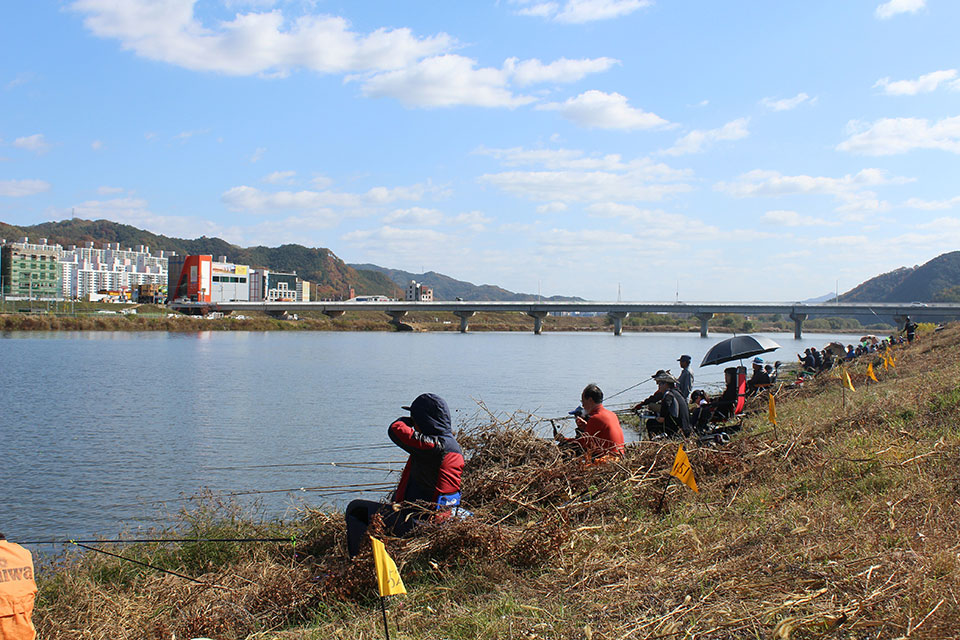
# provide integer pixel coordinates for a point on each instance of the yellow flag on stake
(773, 410)
(682, 471)
(388, 578)
(870, 373)
(846, 380)
(886, 362)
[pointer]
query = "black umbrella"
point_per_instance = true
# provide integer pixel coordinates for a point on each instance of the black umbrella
(737, 348)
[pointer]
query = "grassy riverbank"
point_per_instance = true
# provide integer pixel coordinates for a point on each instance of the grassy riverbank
(843, 522)
(154, 318)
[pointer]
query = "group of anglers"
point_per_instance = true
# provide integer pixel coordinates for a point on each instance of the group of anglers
(429, 489)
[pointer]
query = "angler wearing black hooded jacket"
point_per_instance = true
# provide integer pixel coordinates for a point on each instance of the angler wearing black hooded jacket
(430, 483)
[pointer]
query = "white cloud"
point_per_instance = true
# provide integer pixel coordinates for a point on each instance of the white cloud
(280, 177)
(414, 216)
(35, 143)
(473, 220)
(258, 154)
(96, 145)
(787, 104)
(21, 188)
(552, 207)
(540, 9)
(889, 136)
(328, 206)
(105, 191)
(405, 243)
(533, 71)
(580, 11)
(889, 9)
(445, 81)
(136, 212)
(851, 190)
(183, 136)
(932, 205)
(252, 43)
(924, 84)
(571, 178)
(696, 141)
(794, 219)
(554, 158)
(598, 110)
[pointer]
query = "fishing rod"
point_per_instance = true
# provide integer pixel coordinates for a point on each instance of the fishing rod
(327, 490)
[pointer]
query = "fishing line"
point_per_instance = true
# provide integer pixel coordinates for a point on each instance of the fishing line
(345, 465)
(149, 566)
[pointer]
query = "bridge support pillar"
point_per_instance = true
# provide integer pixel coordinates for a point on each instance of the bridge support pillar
(538, 317)
(618, 317)
(279, 314)
(464, 317)
(704, 323)
(798, 319)
(396, 319)
(901, 321)
(333, 314)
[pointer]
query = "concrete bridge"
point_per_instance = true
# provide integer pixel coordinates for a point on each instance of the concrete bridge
(618, 311)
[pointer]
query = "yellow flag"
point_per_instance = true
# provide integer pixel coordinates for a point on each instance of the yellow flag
(682, 471)
(773, 410)
(886, 362)
(388, 578)
(846, 381)
(870, 373)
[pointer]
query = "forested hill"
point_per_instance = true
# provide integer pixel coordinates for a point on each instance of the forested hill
(447, 288)
(332, 277)
(935, 281)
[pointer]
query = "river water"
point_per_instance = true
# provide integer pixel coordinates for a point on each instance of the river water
(105, 432)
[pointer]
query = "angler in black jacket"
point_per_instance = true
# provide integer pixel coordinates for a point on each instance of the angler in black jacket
(430, 484)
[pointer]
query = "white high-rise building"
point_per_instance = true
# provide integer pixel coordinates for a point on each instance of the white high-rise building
(86, 271)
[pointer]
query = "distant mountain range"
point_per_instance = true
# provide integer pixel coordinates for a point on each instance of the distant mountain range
(935, 281)
(447, 288)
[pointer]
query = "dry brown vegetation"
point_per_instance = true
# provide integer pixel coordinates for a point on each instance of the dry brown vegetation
(841, 522)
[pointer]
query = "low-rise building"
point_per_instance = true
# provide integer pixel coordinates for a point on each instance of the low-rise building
(417, 292)
(30, 270)
(229, 281)
(274, 286)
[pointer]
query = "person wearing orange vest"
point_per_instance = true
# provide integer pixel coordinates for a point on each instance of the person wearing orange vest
(17, 592)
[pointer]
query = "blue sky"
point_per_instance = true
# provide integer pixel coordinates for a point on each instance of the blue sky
(734, 150)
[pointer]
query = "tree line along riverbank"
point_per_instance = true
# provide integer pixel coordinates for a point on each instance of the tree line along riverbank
(842, 521)
(156, 318)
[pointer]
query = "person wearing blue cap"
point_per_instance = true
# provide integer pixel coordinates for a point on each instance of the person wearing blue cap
(760, 378)
(685, 379)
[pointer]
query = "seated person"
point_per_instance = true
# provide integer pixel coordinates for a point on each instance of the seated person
(599, 433)
(674, 416)
(724, 407)
(430, 483)
(700, 417)
(652, 400)
(760, 378)
(807, 361)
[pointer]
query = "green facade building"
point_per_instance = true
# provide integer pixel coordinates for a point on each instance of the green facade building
(30, 270)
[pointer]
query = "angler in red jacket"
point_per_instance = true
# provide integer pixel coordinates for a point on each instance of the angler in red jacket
(430, 484)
